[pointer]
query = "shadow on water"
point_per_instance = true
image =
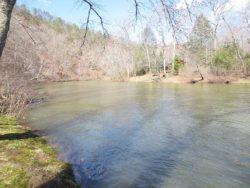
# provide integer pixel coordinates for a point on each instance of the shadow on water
(109, 165)
(156, 166)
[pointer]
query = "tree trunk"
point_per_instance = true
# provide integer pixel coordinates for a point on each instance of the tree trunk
(164, 66)
(213, 53)
(215, 42)
(6, 7)
(128, 71)
(149, 60)
(206, 56)
(173, 55)
(202, 78)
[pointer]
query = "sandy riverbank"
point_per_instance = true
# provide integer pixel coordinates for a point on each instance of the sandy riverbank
(187, 79)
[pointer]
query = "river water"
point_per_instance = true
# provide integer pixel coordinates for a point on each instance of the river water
(141, 135)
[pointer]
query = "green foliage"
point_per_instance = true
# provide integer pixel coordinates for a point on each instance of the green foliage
(140, 70)
(154, 69)
(225, 57)
(59, 25)
(200, 39)
(178, 64)
(43, 15)
(139, 57)
(139, 54)
(247, 61)
(202, 31)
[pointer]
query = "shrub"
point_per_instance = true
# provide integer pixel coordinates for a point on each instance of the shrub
(14, 98)
(225, 57)
(154, 70)
(140, 70)
(247, 61)
(178, 64)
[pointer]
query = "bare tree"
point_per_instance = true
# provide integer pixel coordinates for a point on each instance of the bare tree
(247, 17)
(218, 8)
(237, 50)
(6, 7)
(171, 17)
(148, 40)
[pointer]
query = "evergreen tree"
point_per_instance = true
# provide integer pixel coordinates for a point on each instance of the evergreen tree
(201, 39)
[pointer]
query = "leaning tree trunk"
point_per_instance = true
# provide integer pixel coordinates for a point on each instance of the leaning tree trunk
(6, 7)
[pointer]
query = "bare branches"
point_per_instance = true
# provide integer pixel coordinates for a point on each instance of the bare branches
(25, 27)
(86, 29)
(247, 19)
(92, 9)
(104, 30)
(136, 9)
(218, 7)
(188, 9)
(168, 17)
(236, 47)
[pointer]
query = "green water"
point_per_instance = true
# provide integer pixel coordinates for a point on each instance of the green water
(149, 135)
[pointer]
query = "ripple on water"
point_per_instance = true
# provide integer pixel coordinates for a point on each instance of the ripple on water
(146, 135)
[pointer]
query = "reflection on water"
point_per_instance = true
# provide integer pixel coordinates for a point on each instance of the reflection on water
(150, 135)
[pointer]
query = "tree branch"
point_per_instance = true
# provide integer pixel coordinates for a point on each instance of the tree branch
(168, 17)
(92, 9)
(25, 29)
(189, 11)
(136, 9)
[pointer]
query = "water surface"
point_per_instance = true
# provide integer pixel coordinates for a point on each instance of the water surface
(131, 135)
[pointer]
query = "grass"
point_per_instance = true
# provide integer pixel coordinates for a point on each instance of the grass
(26, 160)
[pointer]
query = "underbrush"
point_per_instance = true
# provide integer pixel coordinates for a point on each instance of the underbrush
(15, 94)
